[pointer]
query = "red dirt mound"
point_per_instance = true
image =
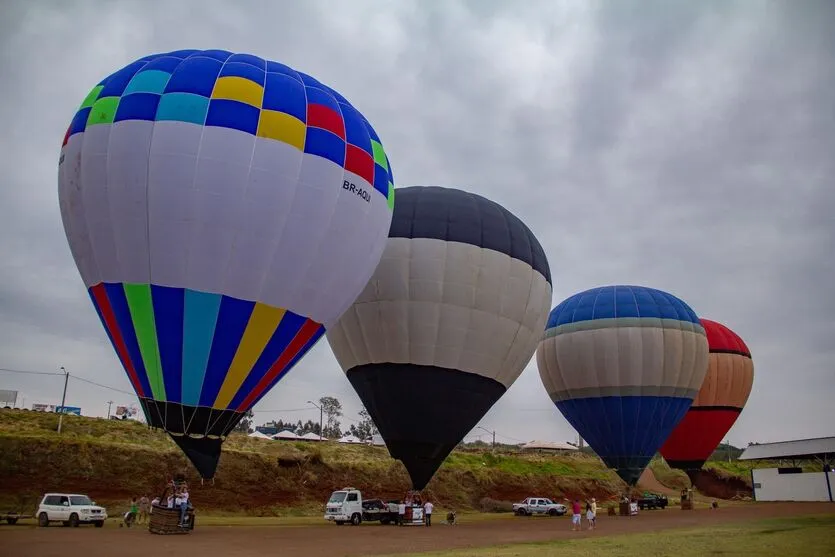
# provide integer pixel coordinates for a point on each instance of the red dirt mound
(710, 483)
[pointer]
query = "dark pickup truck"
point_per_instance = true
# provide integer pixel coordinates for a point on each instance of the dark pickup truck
(652, 501)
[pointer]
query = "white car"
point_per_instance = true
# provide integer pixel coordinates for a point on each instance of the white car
(71, 509)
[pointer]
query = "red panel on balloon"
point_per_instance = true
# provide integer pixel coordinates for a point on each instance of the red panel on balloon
(698, 434)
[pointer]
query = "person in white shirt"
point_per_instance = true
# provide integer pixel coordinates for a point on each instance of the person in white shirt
(183, 503)
(427, 512)
(401, 512)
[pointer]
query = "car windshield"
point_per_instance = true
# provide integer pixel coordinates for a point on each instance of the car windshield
(337, 497)
(80, 500)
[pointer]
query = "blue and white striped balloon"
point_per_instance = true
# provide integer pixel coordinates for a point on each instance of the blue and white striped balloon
(623, 364)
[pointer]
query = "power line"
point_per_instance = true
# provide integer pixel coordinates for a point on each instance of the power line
(102, 386)
(71, 375)
(281, 411)
(28, 372)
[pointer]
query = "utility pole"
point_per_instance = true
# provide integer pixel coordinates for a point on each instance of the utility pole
(109, 404)
(63, 399)
(493, 433)
(321, 425)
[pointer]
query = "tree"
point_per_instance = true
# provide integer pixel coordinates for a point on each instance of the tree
(332, 408)
(245, 425)
(366, 428)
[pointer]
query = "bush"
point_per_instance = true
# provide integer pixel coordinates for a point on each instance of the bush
(488, 505)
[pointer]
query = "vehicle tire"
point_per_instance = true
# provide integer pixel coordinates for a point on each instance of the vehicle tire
(98, 523)
(73, 522)
(356, 519)
(552, 512)
(11, 521)
(385, 521)
(43, 520)
(520, 512)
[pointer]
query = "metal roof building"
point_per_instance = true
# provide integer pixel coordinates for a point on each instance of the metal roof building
(792, 483)
(821, 448)
(547, 446)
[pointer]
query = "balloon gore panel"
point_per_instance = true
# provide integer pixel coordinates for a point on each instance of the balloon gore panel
(697, 436)
(449, 403)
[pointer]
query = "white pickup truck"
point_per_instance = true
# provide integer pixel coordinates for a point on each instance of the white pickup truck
(539, 505)
(347, 505)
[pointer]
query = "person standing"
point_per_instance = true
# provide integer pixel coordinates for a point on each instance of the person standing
(144, 507)
(427, 512)
(183, 500)
(591, 513)
(401, 513)
(576, 517)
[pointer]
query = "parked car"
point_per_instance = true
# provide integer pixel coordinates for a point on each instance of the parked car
(652, 501)
(539, 505)
(71, 509)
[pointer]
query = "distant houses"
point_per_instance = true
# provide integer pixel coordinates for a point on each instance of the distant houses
(264, 432)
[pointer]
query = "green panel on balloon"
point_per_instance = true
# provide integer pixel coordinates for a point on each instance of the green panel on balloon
(103, 111)
(92, 96)
(142, 313)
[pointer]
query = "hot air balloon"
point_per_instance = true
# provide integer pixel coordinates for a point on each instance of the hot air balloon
(448, 321)
(730, 375)
(622, 364)
(222, 210)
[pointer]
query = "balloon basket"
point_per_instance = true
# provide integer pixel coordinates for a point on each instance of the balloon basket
(166, 521)
(687, 504)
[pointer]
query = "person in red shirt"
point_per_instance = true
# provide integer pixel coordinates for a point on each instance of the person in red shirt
(576, 517)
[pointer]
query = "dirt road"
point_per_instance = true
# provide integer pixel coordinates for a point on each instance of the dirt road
(368, 539)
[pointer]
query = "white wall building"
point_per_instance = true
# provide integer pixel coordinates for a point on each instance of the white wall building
(788, 482)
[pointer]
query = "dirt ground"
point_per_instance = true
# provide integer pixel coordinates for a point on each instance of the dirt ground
(649, 482)
(367, 539)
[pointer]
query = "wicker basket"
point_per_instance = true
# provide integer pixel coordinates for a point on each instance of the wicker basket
(164, 520)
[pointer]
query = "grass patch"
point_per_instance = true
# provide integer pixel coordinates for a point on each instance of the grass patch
(786, 537)
(668, 477)
(114, 460)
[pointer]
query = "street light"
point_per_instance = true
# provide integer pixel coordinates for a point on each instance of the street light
(493, 433)
(63, 400)
(321, 426)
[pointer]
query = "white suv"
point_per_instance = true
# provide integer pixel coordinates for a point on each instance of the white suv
(71, 509)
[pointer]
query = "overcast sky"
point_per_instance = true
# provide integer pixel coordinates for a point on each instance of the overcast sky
(686, 146)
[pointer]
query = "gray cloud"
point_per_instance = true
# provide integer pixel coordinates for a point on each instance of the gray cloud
(682, 145)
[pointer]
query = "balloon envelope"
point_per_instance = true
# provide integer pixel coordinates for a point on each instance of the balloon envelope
(622, 364)
(222, 210)
(718, 404)
(447, 323)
